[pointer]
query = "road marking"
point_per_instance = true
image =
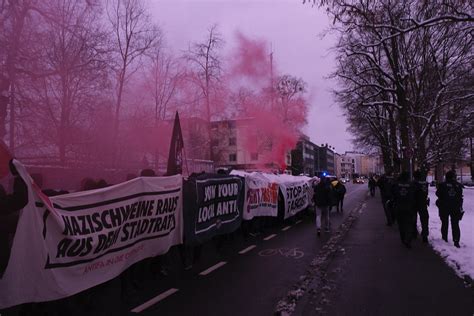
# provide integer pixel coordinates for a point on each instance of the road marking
(154, 300)
(285, 228)
(297, 222)
(269, 237)
(214, 267)
(247, 249)
(285, 252)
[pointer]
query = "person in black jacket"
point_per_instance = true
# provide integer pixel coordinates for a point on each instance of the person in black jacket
(372, 184)
(10, 205)
(421, 204)
(385, 184)
(450, 200)
(403, 193)
(322, 201)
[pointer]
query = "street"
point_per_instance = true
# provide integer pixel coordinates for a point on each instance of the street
(247, 277)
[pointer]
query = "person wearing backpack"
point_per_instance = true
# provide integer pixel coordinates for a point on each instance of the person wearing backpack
(403, 201)
(421, 204)
(372, 185)
(450, 201)
(322, 201)
(385, 184)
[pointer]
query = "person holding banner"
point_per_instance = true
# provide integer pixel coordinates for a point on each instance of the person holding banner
(10, 205)
(322, 201)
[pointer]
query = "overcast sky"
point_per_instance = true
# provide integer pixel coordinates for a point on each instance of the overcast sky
(293, 29)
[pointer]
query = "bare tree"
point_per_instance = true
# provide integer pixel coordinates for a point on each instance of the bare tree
(134, 35)
(162, 83)
(12, 21)
(205, 60)
(73, 73)
(406, 77)
(289, 91)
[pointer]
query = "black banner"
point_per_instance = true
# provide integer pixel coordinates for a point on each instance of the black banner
(213, 206)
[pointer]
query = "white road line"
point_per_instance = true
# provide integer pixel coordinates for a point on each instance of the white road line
(154, 300)
(299, 221)
(269, 237)
(247, 249)
(214, 267)
(285, 228)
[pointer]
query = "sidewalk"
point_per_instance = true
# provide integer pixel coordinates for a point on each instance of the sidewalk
(374, 274)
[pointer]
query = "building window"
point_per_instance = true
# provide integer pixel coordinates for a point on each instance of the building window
(254, 156)
(232, 141)
(233, 157)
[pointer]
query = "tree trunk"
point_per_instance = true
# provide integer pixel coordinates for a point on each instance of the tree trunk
(386, 158)
(393, 143)
(117, 117)
(12, 119)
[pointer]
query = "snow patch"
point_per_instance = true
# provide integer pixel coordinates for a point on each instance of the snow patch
(460, 259)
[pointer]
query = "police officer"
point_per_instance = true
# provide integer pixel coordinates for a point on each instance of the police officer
(385, 184)
(421, 204)
(403, 193)
(450, 200)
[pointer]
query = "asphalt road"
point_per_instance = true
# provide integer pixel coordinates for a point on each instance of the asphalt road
(246, 277)
(375, 274)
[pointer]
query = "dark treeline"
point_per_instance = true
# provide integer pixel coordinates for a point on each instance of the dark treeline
(406, 78)
(94, 81)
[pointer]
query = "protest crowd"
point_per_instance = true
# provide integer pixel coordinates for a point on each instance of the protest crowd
(63, 249)
(404, 200)
(60, 250)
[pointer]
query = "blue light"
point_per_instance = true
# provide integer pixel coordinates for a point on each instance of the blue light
(325, 174)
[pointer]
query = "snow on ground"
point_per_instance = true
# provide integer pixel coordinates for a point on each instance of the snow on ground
(461, 260)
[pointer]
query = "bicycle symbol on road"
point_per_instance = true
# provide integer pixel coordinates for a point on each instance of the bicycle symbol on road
(294, 253)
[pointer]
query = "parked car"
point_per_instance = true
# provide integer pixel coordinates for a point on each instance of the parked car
(358, 180)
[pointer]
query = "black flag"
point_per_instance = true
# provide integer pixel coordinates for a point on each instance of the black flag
(175, 158)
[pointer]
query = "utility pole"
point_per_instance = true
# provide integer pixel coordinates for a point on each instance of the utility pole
(472, 161)
(271, 76)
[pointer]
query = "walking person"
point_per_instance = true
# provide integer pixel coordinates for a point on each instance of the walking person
(322, 201)
(372, 185)
(450, 201)
(385, 184)
(10, 205)
(421, 204)
(403, 203)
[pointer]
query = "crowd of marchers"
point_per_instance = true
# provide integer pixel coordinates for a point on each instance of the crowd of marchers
(403, 200)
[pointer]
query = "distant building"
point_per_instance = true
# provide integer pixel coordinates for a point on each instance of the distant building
(325, 162)
(356, 163)
(338, 163)
(347, 166)
(304, 157)
(235, 144)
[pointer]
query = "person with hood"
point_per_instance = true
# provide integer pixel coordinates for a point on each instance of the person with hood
(450, 202)
(372, 185)
(322, 201)
(385, 184)
(421, 204)
(10, 205)
(403, 194)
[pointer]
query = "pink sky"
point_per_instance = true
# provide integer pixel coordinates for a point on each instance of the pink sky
(293, 29)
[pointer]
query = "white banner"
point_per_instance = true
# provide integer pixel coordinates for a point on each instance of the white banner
(296, 196)
(90, 237)
(261, 195)
(295, 191)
